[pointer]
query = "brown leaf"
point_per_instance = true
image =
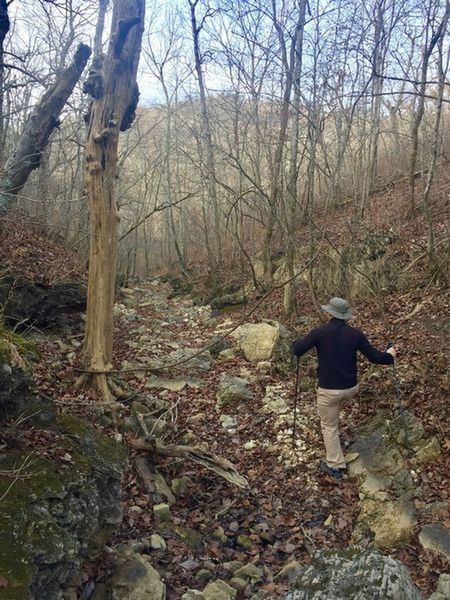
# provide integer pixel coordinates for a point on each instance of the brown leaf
(3, 582)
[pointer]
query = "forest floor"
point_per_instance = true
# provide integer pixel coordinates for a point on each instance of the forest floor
(287, 512)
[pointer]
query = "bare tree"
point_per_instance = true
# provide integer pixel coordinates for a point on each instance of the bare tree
(27, 155)
(112, 110)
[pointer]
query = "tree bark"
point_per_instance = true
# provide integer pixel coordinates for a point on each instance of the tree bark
(206, 142)
(427, 51)
(43, 120)
(98, 37)
(4, 28)
(289, 301)
(112, 111)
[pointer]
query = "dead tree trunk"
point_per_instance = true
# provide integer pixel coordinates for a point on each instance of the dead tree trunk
(112, 110)
(43, 120)
(4, 28)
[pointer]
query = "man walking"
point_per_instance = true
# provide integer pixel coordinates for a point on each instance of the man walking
(337, 345)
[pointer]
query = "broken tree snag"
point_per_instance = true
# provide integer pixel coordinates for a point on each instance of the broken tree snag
(113, 84)
(221, 466)
(43, 120)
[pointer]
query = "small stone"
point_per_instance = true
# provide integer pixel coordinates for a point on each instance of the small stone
(267, 537)
(220, 535)
(189, 438)
(190, 564)
(219, 590)
(197, 417)
(226, 355)
(161, 513)
(137, 510)
(250, 572)
(238, 584)
(193, 595)
(180, 485)
(289, 571)
(232, 565)
(250, 445)
(428, 452)
(203, 576)
(264, 365)
(443, 585)
(232, 390)
(436, 538)
(244, 541)
(157, 542)
(228, 422)
(137, 546)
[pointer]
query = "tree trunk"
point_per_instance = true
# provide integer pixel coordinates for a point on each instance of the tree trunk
(4, 28)
(289, 300)
(43, 120)
(98, 37)
(432, 262)
(427, 51)
(112, 111)
(206, 139)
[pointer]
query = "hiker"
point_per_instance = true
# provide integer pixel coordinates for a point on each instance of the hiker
(336, 344)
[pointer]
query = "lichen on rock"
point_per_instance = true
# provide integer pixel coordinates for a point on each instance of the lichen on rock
(53, 515)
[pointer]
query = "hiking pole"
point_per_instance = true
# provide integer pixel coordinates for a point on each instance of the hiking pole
(295, 402)
(398, 403)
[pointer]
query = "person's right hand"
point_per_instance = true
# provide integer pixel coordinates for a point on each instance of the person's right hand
(392, 351)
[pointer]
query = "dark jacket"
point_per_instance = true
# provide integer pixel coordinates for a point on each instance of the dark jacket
(337, 344)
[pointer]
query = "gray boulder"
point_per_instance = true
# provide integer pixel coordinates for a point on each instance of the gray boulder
(436, 537)
(354, 574)
(443, 588)
(135, 579)
(232, 390)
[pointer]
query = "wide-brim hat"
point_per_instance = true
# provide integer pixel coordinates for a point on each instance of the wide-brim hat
(339, 308)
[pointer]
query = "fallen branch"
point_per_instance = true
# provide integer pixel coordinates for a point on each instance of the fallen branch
(221, 466)
(146, 475)
(414, 312)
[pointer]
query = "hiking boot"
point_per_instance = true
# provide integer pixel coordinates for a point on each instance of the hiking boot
(334, 473)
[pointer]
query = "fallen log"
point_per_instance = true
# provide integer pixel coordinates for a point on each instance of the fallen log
(221, 466)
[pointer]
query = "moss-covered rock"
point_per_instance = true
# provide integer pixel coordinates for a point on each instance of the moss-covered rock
(53, 515)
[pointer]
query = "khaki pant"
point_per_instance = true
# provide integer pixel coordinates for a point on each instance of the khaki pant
(329, 406)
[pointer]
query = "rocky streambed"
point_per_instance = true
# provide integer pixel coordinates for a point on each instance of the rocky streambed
(186, 533)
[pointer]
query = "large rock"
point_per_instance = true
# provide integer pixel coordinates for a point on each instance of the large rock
(233, 299)
(135, 579)
(39, 304)
(266, 341)
(354, 574)
(436, 537)
(443, 588)
(232, 390)
(57, 512)
(387, 510)
(219, 590)
(391, 522)
(16, 396)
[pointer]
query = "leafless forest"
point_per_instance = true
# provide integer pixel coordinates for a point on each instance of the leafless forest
(255, 120)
